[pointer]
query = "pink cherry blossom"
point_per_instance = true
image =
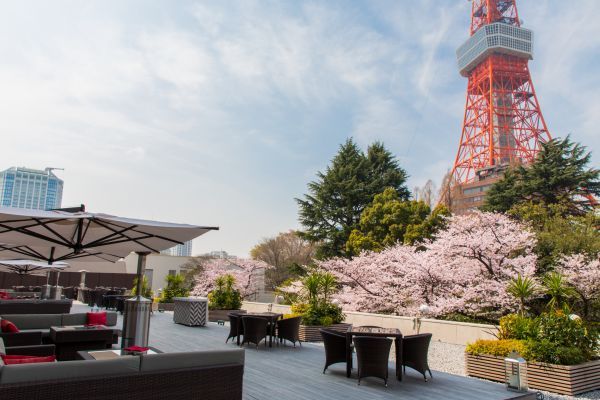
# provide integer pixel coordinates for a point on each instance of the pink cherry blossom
(465, 270)
(248, 274)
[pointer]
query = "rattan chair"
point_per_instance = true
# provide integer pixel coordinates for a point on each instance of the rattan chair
(372, 354)
(289, 329)
(255, 330)
(335, 347)
(236, 327)
(414, 353)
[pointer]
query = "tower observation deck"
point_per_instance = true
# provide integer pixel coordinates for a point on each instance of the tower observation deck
(503, 124)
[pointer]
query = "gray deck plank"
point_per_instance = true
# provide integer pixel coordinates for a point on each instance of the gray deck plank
(290, 373)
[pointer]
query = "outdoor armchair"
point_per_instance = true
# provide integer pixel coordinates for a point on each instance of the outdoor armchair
(236, 327)
(289, 329)
(414, 353)
(335, 347)
(372, 354)
(255, 330)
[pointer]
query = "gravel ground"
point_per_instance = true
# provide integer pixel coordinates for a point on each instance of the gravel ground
(450, 358)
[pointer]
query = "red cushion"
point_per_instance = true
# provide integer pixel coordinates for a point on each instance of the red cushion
(16, 359)
(8, 327)
(96, 318)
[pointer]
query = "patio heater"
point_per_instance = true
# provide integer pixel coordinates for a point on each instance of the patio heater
(515, 372)
(136, 318)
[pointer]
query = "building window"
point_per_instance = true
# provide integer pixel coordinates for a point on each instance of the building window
(172, 272)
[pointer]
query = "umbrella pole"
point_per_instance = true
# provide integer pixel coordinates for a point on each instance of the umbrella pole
(136, 319)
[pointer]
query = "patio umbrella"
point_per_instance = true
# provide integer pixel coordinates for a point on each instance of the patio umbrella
(59, 235)
(66, 234)
(25, 267)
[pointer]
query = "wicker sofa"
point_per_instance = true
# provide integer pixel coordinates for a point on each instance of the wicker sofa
(27, 306)
(28, 323)
(216, 375)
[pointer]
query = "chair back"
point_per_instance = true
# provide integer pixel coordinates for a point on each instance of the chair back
(372, 354)
(289, 328)
(255, 328)
(416, 346)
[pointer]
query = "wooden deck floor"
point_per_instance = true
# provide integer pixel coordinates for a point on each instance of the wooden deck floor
(290, 373)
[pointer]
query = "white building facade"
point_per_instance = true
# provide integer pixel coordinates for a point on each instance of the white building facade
(181, 250)
(30, 188)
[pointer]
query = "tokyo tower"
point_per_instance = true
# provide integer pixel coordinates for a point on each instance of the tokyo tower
(503, 124)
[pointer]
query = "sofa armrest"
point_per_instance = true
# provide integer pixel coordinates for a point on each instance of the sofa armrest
(21, 338)
(42, 350)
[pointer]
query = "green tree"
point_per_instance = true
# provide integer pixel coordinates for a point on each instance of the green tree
(389, 219)
(336, 199)
(559, 234)
(176, 287)
(287, 253)
(559, 175)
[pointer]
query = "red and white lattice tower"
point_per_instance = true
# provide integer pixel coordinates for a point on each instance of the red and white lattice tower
(503, 123)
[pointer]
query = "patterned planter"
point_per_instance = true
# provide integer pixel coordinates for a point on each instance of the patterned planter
(190, 311)
(311, 333)
(563, 379)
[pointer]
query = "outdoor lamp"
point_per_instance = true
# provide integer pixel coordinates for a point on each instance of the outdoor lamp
(279, 299)
(335, 302)
(515, 372)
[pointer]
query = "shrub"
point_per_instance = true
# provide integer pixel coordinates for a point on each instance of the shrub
(175, 288)
(224, 296)
(323, 314)
(516, 326)
(500, 348)
(553, 337)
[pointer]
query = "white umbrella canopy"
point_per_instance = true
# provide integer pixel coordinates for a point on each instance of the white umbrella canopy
(58, 235)
(24, 267)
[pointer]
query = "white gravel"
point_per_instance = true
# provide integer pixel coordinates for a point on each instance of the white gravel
(450, 358)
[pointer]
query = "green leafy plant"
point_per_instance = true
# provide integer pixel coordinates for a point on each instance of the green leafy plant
(553, 337)
(522, 288)
(146, 289)
(559, 291)
(314, 301)
(517, 326)
(175, 288)
(225, 296)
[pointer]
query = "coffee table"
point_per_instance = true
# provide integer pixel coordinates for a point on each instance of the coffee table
(68, 340)
(109, 354)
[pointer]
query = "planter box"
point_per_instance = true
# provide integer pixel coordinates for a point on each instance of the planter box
(166, 306)
(216, 315)
(563, 379)
(312, 334)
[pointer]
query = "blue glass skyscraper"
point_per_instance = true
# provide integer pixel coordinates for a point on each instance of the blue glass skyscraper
(30, 188)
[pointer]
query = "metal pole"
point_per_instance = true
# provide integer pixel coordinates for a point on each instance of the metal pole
(136, 319)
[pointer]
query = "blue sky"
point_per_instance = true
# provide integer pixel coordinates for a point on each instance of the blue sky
(220, 112)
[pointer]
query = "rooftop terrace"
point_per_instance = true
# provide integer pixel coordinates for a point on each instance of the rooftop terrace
(285, 372)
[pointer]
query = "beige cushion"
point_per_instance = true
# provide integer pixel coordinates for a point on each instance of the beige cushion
(162, 361)
(2, 348)
(68, 370)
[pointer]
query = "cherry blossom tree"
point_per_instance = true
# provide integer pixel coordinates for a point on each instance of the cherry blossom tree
(464, 270)
(246, 272)
(583, 274)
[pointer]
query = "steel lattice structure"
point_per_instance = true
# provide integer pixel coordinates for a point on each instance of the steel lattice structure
(503, 124)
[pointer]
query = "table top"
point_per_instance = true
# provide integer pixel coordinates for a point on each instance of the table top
(364, 330)
(78, 328)
(109, 354)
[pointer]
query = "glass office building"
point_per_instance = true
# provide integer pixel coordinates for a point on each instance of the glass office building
(182, 250)
(30, 188)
